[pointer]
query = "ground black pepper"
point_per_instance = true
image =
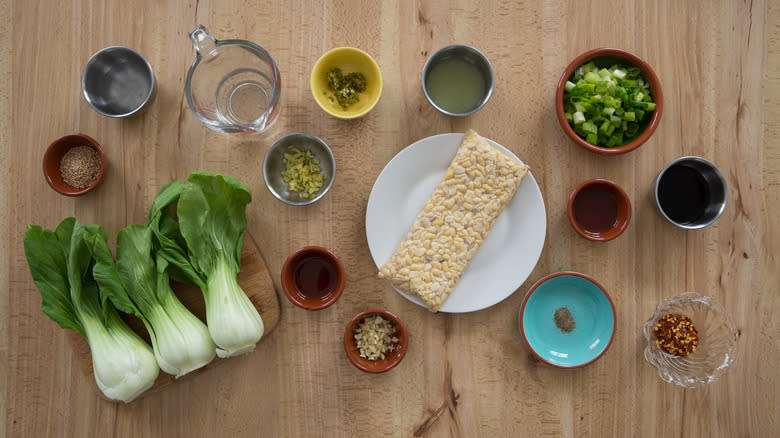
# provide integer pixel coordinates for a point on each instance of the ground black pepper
(564, 320)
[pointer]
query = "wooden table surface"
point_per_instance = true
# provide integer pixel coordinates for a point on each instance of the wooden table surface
(465, 374)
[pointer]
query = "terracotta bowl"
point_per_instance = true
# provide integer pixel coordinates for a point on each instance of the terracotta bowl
(53, 155)
(391, 359)
(608, 56)
(599, 210)
(326, 259)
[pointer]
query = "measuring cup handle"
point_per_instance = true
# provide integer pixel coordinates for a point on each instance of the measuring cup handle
(205, 44)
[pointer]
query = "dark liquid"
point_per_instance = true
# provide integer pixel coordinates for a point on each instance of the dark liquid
(315, 278)
(595, 210)
(683, 194)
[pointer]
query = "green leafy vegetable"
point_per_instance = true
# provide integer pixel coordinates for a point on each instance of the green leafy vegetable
(180, 340)
(61, 263)
(212, 219)
(607, 107)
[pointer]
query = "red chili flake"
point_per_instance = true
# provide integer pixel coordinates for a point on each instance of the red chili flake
(676, 335)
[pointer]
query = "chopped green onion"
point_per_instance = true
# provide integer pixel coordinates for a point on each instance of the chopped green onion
(589, 128)
(607, 106)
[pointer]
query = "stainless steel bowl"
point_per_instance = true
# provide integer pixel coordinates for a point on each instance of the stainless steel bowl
(118, 82)
(470, 55)
(273, 166)
(716, 186)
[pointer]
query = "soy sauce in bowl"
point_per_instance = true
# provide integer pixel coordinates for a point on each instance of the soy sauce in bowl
(683, 194)
(690, 192)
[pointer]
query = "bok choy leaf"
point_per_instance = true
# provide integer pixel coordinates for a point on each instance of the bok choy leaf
(61, 263)
(212, 218)
(180, 340)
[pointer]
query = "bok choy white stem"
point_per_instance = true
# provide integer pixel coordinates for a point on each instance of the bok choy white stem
(61, 263)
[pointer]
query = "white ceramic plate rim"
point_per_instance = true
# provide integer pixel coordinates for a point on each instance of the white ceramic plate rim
(509, 253)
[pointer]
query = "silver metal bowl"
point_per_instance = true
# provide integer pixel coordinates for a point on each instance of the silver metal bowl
(716, 185)
(470, 55)
(118, 82)
(273, 166)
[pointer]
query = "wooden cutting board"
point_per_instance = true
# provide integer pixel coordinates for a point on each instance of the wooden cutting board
(253, 278)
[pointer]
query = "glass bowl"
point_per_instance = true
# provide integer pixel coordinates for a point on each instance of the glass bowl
(717, 347)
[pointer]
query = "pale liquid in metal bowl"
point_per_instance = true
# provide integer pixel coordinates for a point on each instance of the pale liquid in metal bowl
(456, 85)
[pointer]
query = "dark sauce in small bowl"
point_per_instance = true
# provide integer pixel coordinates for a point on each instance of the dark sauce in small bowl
(599, 210)
(315, 278)
(595, 210)
(683, 194)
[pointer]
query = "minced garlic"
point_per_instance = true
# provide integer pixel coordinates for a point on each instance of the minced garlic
(374, 337)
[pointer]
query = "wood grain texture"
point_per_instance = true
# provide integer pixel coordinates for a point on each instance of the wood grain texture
(253, 278)
(464, 375)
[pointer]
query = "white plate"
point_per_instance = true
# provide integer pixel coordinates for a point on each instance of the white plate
(508, 255)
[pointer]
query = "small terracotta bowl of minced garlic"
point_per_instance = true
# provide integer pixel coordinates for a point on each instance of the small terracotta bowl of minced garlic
(375, 341)
(74, 164)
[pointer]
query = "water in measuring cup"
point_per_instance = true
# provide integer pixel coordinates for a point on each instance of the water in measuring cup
(244, 97)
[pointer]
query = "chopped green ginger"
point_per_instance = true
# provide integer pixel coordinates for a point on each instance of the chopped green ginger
(608, 107)
(303, 173)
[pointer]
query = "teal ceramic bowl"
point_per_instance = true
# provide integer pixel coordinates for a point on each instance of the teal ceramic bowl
(589, 305)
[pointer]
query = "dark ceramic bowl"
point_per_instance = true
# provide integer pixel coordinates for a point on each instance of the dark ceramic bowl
(586, 208)
(55, 152)
(392, 359)
(296, 292)
(604, 57)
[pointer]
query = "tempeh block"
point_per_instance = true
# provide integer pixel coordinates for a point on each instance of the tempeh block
(445, 236)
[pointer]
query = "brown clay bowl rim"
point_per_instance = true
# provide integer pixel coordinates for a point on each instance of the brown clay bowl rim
(382, 365)
(288, 282)
(544, 280)
(54, 180)
(620, 196)
(647, 72)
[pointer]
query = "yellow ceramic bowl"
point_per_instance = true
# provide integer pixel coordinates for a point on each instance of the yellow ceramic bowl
(348, 59)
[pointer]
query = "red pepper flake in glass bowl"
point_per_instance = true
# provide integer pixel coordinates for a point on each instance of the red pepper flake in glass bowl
(676, 335)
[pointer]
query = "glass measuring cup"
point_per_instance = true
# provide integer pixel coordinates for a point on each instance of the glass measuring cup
(233, 86)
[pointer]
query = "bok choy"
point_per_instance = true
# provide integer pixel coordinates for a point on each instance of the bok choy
(61, 263)
(181, 342)
(204, 249)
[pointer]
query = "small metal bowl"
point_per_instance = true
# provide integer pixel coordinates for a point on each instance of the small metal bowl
(470, 55)
(717, 189)
(273, 166)
(118, 82)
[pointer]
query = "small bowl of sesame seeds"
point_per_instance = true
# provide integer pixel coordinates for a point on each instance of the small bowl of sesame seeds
(375, 341)
(691, 340)
(74, 164)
